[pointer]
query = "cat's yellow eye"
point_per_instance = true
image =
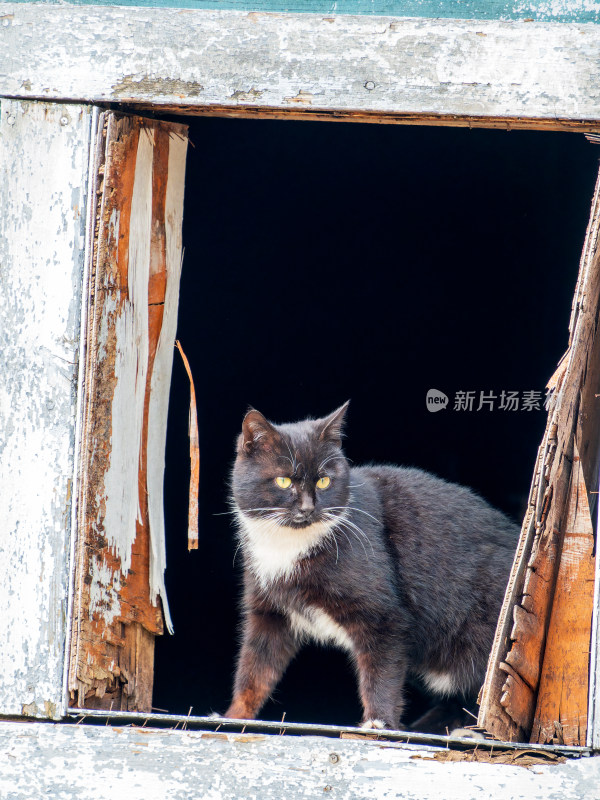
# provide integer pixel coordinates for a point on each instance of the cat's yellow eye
(323, 482)
(283, 483)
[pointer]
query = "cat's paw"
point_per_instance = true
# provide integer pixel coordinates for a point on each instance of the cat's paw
(466, 733)
(372, 724)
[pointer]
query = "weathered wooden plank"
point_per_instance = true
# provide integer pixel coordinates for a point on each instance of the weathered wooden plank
(98, 598)
(507, 707)
(562, 700)
(136, 662)
(540, 10)
(305, 64)
(103, 763)
(496, 686)
(593, 737)
(120, 564)
(44, 151)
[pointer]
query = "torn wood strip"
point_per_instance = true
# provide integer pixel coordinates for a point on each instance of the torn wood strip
(589, 248)
(492, 715)
(533, 578)
(526, 758)
(163, 363)
(127, 316)
(517, 696)
(194, 458)
(561, 712)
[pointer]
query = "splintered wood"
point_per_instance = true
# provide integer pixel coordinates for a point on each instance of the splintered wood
(561, 712)
(194, 458)
(536, 687)
(130, 333)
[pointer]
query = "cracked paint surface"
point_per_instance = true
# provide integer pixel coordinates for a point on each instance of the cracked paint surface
(42, 239)
(358, 64)
(84, 761)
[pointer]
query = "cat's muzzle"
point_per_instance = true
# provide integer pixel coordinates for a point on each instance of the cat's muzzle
(301, 520)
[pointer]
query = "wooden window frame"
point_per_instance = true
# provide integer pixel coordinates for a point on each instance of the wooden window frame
(471, 73)
(127, 336)
(72, 61)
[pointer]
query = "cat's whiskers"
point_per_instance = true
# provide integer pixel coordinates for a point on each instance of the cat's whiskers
(275, 547)
(328, 459)
(335, 518)
(236, 552)
(340, 520)
(340, 528)
(270, 515)
(351, 527)
(334, 540)
(236, 510)
(353, 508)
(264, 508)
(291, 455)
(358, 534)
(270, 523)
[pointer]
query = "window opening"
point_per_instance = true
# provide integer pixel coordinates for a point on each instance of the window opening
(407, 259)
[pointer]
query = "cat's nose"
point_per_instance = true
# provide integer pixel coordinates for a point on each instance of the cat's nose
(306, 504)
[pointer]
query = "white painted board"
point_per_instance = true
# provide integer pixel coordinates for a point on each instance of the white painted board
(44, 152)
(302, 63)
(161, 374)
(81, 762)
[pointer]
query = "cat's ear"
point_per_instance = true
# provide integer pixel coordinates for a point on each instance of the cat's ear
(333, 425)
(257, 433)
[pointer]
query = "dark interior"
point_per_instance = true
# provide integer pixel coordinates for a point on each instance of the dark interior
(374, 262)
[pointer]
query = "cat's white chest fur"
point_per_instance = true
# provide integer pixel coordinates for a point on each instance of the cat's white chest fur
(274, 551)
(315, 624)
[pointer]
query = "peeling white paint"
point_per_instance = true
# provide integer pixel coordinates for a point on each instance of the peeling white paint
(110, 305)
(556, 8)
(81, 762)
(160, 383)
(355, 63)
(44, 150)
(131, 364)
(105, 588)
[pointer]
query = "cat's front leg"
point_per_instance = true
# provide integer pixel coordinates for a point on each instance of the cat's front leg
(267, 648)
(381, 678)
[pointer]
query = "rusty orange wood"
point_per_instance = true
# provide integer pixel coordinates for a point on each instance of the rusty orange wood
(194, 458)
(115, 618)
(562, 702)
(508, 697)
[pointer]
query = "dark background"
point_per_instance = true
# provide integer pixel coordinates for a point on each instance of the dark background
(327, 261)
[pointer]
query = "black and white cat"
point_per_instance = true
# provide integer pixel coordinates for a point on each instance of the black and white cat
(401, 569)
